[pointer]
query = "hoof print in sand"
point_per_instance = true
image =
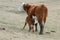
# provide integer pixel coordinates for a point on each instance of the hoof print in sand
(47, 32)
(2, 28)
(53, 31)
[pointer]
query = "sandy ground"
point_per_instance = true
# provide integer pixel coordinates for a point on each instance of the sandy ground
(13, 20)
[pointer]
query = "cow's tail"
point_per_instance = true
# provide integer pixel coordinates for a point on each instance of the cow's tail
(44, 12)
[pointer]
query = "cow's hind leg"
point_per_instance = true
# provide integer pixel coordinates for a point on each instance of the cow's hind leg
(41, 27)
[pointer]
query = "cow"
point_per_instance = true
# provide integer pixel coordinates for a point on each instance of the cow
(31, 21)
(40, 11)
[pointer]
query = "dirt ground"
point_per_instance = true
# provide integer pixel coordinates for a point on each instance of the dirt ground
(13, 21)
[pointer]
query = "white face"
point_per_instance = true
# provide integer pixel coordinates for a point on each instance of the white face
(20, 8)
(35, 18)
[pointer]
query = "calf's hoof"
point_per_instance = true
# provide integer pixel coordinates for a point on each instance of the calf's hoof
(32, 30)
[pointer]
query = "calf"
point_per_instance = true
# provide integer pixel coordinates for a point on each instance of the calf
(31, 22)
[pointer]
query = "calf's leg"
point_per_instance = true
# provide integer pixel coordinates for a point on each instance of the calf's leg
(29, 27)
(36, 27)
(32, 28)
(25, 25)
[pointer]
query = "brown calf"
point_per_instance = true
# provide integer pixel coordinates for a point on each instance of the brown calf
(31, 22)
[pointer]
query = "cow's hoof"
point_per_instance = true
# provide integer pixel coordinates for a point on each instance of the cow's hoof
(40, 33)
